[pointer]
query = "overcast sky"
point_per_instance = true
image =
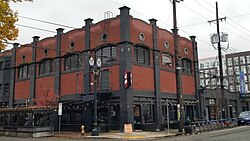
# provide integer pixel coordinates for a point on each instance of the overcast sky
(192, 18)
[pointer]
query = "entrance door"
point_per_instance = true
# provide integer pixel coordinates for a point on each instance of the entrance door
(137, 117)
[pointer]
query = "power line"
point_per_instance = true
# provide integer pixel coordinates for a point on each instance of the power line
(43, 21)
(193, 24)
(240, 25)
(233, 21)
(204, 7)
(36, 28)
(195, 12)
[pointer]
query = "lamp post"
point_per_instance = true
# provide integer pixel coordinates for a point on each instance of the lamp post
(95, 68)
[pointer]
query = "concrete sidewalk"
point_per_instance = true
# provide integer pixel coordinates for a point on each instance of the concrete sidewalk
(118, 135)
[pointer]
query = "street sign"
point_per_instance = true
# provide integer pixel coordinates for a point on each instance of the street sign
(60, 109)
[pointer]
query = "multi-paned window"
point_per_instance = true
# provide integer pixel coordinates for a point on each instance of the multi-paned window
(107, 54)
(72, 61)
(23, 71)
(167, 60)
(46, 66)
(236, 61)
(7, 64)
(237, 70)
(201, 66)
(229, 61)
(242, 60)
(230, 71)
(141, 55)
(201, 75)
(7, 89)
(186, 65)
(148, 113)
(248, 59)
(105, 80)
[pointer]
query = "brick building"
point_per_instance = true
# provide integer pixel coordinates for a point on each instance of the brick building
(56, 69)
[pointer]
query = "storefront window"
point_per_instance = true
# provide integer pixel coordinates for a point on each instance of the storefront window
(148, 113)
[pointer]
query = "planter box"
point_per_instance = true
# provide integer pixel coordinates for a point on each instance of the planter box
(190, 129)
(27, 131)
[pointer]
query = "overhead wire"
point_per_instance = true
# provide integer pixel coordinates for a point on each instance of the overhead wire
(223, 14)
(43, 21)
(62, 25)
(36, 28)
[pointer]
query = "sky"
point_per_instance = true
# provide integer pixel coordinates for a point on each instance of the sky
(192, 19)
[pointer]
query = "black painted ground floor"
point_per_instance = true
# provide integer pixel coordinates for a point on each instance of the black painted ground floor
(110, 108)
(142, 109)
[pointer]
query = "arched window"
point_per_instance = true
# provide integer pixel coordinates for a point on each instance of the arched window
(23, 71)
(141, 55)
(167, 60)
(72, 61)
(108, 54)
(186, 65)
(46, 66)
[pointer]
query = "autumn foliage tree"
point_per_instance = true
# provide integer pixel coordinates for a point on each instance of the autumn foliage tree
(46, 96)
(8, 18)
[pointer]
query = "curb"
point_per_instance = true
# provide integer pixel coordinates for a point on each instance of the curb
(122, 136)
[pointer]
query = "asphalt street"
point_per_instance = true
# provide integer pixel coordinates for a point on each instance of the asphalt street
(233, 134)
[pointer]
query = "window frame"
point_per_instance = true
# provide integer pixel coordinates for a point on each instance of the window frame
(169, 57)
(6, 89)
(7, 64)
(107, 54)
(186, 65)
(71, 59)
(23, 71)
(142, 55)
(46, 66)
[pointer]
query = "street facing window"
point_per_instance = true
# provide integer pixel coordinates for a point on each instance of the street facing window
(46, 66)
(141, 55)
(166, 60)
(23, 71)
(72, 61)
(186, 65)
(108, 54)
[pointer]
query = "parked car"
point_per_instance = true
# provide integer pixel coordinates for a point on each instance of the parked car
(244, 118)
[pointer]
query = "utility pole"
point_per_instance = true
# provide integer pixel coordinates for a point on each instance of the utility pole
(178, 70)
(222, 95)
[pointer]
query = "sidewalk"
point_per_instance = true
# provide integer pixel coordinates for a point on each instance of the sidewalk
(118, 135)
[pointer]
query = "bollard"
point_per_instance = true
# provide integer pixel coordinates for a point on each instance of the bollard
(82, 130)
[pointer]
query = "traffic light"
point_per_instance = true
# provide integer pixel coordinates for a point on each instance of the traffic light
(127, 79)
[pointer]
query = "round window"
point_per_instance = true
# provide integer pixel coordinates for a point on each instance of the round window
(45, 52)
(166, 45)
(185, 50)
(23, 58)
(104, 37)
(141, 36)
(72, 45)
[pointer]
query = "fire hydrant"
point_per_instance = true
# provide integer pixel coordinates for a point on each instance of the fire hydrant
(82, 130)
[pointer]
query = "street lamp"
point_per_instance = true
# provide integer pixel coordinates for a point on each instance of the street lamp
(95, 67)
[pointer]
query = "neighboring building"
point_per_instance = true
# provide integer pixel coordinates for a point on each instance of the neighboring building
(209, 72)
(56, 70)
(236, 64)
(236, 73)
(5, 61)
